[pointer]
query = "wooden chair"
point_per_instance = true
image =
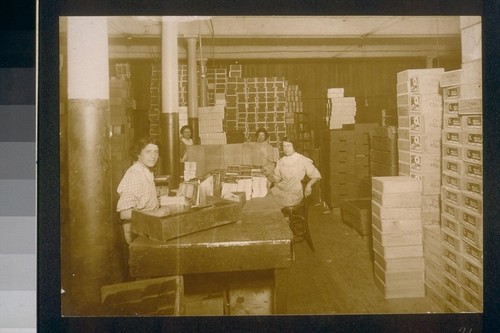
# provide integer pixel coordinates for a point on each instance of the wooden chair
(299, 221)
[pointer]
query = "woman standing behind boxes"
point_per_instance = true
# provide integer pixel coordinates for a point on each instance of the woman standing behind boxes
(289, 173)
(137, 188)
(268, 159)
(186, 141)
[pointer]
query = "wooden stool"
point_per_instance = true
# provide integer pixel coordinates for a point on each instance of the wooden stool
(299, 222)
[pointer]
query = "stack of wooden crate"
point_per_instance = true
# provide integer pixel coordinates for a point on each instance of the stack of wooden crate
(341, 170)
(384, 151)
(362, 157)
(462, 186)
(397, 236)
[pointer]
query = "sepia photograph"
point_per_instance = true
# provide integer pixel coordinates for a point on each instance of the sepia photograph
(270, 165)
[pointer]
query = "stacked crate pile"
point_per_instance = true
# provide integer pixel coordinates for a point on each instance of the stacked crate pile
(384, 151)
(340, 110)
(419, 148)
(342, 182)
(462, 186)
(183, 85)
(260, 102)
(155, 101)
(210, 122)
(397, 236)
(121, 128)
(216, 81)
(362, 158)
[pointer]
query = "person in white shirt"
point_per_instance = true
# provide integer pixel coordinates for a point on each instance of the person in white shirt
(137, 188)
(185, 140)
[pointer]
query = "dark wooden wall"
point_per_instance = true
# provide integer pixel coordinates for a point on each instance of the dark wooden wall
(370, 80)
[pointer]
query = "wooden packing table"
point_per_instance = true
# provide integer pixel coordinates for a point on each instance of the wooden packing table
(262, 240)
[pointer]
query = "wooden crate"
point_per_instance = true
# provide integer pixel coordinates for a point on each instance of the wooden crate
(184, 223)
(152, 297)
(357, 214)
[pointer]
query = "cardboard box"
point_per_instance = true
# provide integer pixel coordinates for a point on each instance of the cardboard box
(426, 104)
(452, 286)
(394, 213)
(425, 143)
(425, 163)
(451, 269)
(395, 184)
(410, 199)
(384, 144)
(384, 132)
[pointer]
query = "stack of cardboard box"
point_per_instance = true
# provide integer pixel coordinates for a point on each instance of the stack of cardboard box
(397, 236)
(462, 185)
(216, 81)
(342, 183)
(183, 85)
(210, 125)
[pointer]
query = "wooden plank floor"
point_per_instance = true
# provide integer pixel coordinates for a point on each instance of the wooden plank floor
(338, 277)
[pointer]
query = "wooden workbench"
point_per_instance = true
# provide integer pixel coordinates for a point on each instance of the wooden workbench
(262, 240)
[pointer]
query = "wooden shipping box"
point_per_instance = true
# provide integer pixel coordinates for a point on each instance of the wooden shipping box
(152, 297)
(395, 213)
(384, 144)
(425, 143)
(425, 162)
(384, 157)
(400, 264)
(395, 184)
(428, 84)
(395, 252)
(398, 277)
(380, 170)
(357, 214)
(430, 123)
(397, 238)
(431, 182)
(410, 199)
(407, 75)
(400, 290)
(184, 223)
(396, 226)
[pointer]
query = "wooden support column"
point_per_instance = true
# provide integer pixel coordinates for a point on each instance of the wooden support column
(169, 117)
(192, 88)
(94, 255)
